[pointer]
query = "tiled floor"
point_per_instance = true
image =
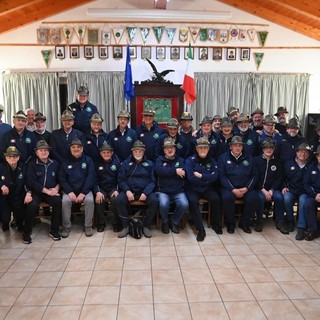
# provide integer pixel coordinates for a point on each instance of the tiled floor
(259, 276)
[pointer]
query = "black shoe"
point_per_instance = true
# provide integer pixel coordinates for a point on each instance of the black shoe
(165, 227)
(309, 235)
(55, 235)
(201, 235)
(290, 225)
(282, 227)
(245, 228)
(117, 228)
(300, 234)
(174, 227)
(5, 227)
(259, 226)
(230, 228)
(217, 229)
(26, 239)
(101, 227)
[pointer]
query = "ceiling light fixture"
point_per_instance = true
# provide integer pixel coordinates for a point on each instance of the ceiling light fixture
(159, 15)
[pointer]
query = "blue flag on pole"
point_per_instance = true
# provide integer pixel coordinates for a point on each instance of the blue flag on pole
(128, 85)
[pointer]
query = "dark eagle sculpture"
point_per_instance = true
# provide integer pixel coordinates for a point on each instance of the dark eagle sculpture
(158, 77)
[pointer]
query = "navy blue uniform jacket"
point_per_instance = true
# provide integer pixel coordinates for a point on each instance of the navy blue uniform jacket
(311, 180)
(92, 144)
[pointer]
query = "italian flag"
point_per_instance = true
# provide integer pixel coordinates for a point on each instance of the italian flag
(189, 86)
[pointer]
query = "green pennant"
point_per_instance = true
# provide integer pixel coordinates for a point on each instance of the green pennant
(158, 32)
(263, 37)
(258, 56)
(46, 54)
(203, 34)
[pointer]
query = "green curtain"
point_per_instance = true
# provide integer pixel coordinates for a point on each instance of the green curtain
(39, 91)
(105, 91)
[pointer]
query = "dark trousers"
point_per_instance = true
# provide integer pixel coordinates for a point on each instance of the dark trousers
(251, 203)
(99, 209)
(213, 197)
(311, 206)
(33, 208)
(122, 205)
(12, 204)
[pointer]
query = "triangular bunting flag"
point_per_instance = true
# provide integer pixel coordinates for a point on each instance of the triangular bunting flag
(203, 34)
(46, 54)
(224, 35)
(43, 35)
(55, 35)
(131, 33)
(251, 34)
(144, 34)
(194, 33)
(263, 37)
(234, 34)
(242, 35)
(67, 33)
(212, 34)
(183, 35)
(105, 37)
(158, 32)
(258, 56)
(117, 34)
(171, 32)
(80, 32)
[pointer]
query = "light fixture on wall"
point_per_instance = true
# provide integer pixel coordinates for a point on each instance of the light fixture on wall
(159, 15)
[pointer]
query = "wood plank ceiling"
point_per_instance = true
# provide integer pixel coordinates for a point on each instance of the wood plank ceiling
(298, 15)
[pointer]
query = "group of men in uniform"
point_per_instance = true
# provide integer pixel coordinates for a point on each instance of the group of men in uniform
(257, 159)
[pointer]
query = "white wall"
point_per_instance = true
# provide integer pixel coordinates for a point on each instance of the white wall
(28, 58)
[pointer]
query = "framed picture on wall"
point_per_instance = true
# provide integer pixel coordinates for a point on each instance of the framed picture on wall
(160, 53)
(133, 52)
(186, 50)
(245, 54)
(146, 52)
(231, 54)
(117, 52)
(60, 52)
(88, 52)
(217, 54)
(103, 52)
(174, 53)
(74, 52)
(203, 53)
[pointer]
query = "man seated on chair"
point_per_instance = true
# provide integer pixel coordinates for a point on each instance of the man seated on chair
(170, 173)
(107, 169)
(269, 183)
(137, 182)
(77, 178)
(238, 180)
(42, 183)
(202, 174)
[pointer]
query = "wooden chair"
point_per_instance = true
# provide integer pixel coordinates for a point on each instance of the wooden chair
(206, 210)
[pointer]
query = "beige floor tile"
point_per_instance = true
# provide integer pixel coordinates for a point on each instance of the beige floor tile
(7, 254)
(75, 279)
(249, 261)
(8, 296)
(144, 242)
(184, 240)
(211, 239)
(166, 277)
(315, 257)
(53, 265)
(65, 243)
(214, 250)
(90, 241)
(196, 276)
(111, 252)
(208, 311)
(109, 264)
(310, 308)
(137, 252)
(135, 312)
(165, 263)
(308, 273)
(315, 285)
(68, 296)
(62, 312)
(256, 275)
(299, 260)
(45, 279)
(163, 251)
(137, 264)
(5, 264)
(239, 310)
(169, 294)
(235, 292)
(34, 297)
(97, 312)
(226, 275)
(263, 249)
(299, 290)
(15, 279)
(308, 247)
(193, 263)
(220, 262)
(3, 312)
(135, 295)
(255, 238)
(283, 309)
(81, 264)
(288, 249)
(202, 293)
(136, 277)
(102, 295)
(85, 252)
(178, 311)
(267, 291)
(34, 313)
(34, 253)
(105, 278)
(273, 260)
(277, 238)
(188, 251)
(235, 238)
(285, 274)
(238, 249)
(21, 265)
(114, 242)
(59, 253)
(162, 240)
